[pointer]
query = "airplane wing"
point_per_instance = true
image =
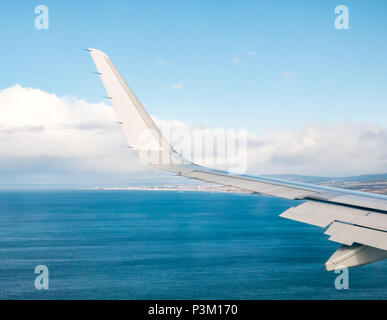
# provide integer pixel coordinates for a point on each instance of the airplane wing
(357, 220)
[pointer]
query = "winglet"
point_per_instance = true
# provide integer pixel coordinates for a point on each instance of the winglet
(139, 129)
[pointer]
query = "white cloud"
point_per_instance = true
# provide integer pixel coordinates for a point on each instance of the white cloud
(326, 150)
(330, 150)
(42, 134)
(251, 53)
(177, 86)
(236, 60)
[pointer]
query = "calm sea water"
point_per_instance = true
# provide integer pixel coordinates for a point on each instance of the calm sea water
(167, 245)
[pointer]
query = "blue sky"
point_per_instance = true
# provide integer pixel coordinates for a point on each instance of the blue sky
(313, 98)
(335, 76)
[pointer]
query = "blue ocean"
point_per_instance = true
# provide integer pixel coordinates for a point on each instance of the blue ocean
(167, 245)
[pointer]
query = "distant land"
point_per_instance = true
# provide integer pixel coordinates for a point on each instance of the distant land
(375, 183)
(203, 187)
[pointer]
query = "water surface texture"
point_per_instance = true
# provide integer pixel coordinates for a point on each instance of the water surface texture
(167, 245)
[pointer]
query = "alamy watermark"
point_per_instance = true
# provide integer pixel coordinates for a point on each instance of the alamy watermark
(342, 280)
(42, 20)
(224, 148)
(42, 280)
(342, 19)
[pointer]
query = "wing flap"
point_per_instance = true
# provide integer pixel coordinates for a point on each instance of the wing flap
(323, 214)
(349, 234)
(310, 213)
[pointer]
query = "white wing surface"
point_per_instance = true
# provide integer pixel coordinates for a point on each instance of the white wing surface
(356, 220)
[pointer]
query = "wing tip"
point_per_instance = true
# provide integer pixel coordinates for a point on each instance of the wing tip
(96, 51)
